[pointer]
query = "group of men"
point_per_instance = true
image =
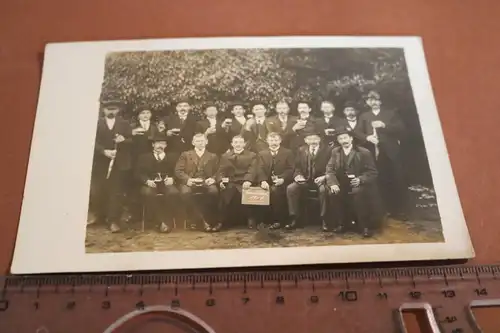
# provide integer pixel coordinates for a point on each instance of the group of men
(350, 163)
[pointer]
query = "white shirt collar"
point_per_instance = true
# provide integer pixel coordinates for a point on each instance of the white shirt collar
(238, 152)
(313, 149)
(328, 116)
(160, 155)
(274, 151)
(212, 120)
(199, 152)
(182, 117)
(260, 120)
(110, 122)
(283, 118)
(240, 119)
(347, 151)
(145, 123)
(376, 112)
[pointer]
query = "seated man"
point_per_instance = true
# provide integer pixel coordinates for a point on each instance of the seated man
(155, 171)
(276, 173)
(196, 170)
(237, 171)
(310, 167)
(352, 176)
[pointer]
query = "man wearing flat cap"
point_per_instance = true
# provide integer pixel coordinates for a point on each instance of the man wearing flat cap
(351, 177)
(327, 122)
(180, 127)
(382, 130)
(256, 128)
(310, 167)
(215, 129)
(155, 173)
(112, 161)
(305, 123)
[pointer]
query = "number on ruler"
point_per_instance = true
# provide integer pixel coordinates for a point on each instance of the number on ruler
(245, 300)
(175, 303)
(210, 302)
(314, 299)
(382, 295)
(481, 292)
(280, 300)
(70, 305)
(457, 330)
(349, 295)
(4, 305)
(448, 293)
(450, 319)
(105, 305)
(36, 305)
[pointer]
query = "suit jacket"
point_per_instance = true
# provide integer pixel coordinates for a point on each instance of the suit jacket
(275, 125)
(389, 136)
(148, 167)
(297, 139)
(218, 142)
(320, 125)
(283, 165)
(190, 165)
(359, 138)
(105, 140)
(141, 144)
(319, 162)
(181, 142)
(359, 161)
(235, 129)
(238, 168)
(255, 142)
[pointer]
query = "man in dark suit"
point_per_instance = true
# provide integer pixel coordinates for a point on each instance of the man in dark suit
(196, 171)
(215, 129)
(351, 176)
(238, 170)
(350, 121)
(276, 173)
(256, 128)
(304, 124)
(310, 167)
(327, 123)
(238, 119)
(282, 123)
(112, 161)
(155, 171)
(180, 128)
(382, 130)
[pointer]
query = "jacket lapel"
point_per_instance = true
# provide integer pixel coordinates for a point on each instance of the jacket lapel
(350, 156)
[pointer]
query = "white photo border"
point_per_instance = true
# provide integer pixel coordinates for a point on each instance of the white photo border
(52, 228)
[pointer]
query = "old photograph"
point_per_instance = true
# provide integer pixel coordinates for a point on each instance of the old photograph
(306, 145)
(330, 136)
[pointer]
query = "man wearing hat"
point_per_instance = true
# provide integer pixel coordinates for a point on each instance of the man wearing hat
(304, 124)
(238, 120)
(327, 123)
(310, 167)
(143, 129)
(282, 123)
(112, 161)
(215, 129)
(351, 176)
(155, 172)
(256, 128)
(350, 121)
(382, 130)
(180, 127)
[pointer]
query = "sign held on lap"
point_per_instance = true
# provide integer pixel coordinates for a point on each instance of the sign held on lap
(255, 196)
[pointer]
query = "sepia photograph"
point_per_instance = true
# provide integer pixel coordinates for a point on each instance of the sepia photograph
(296, 147)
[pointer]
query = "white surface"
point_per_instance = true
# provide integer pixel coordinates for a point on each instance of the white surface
(51, 236)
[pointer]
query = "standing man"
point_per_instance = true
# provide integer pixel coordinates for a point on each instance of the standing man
(155, 171)
(112, 161)
(327, 123)
(350, 121)
(276, 173)
(310, 168)
(143, 130)
(215, 129)
(382, 130)
(256, 128)
(351, 176)
(304, 124)
(282, 123)
(196, 171)
(238, 120)
(238, 170)
(180, 127)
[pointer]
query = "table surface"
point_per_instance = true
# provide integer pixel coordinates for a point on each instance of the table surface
(458, 36)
